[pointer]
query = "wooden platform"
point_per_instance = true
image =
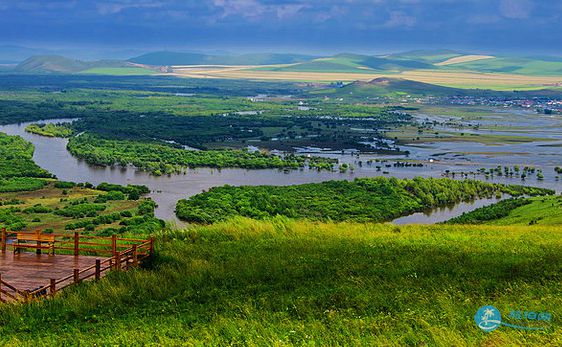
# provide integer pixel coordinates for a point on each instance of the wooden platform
(28, 271)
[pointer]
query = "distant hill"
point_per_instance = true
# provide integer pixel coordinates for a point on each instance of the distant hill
(355, 63)
(60, 64)
(534, 66)
(177, 58)
(12, 54)
(427, 56)
(384, 86)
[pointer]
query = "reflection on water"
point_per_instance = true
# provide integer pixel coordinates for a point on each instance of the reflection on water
(443, 214)
(51, 154)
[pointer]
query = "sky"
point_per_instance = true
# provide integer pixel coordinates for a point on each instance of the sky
(313, 26)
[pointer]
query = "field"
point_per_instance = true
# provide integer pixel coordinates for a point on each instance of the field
(463, 59)
(286, 283)
(119, 71)
(455, 79)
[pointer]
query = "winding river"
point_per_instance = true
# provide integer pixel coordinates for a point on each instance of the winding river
(52, 155)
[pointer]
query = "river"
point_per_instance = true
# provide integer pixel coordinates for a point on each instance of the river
(52, 155)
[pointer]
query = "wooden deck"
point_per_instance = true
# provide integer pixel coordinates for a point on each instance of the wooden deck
(29, 271)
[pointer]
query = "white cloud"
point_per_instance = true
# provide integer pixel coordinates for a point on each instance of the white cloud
(400, 19)
(516, 9)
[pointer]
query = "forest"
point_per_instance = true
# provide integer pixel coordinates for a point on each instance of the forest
(18, 171)
(160, 158)
(377, 199)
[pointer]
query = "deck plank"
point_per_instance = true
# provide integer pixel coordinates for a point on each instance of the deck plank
(29, 271)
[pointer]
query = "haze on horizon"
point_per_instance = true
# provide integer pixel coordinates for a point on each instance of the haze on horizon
(315, 26)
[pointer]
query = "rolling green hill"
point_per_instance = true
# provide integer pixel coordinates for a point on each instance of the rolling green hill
(391, 87)
(540, 66)
(178, 58)
(427, 56)
(60, 64)
(353, 63)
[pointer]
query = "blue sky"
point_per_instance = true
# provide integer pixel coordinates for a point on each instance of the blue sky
(314, 26)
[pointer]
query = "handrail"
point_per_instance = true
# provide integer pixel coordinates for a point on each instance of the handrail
(125, 253)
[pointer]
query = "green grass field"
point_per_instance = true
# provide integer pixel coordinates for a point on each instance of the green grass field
(541, 211)
(281, 283)
(119, 71)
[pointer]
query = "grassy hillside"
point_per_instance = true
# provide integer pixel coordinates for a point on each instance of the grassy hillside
(59, 64)
(296, 283)
(428, 56)
(525, 66)
(67, 207)
(544, 210)
(394, 87)
(353, 63)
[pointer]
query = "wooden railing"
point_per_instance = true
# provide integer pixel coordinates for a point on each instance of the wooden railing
(125, 253)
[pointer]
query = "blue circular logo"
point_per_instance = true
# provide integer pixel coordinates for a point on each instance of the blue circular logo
(488, 318)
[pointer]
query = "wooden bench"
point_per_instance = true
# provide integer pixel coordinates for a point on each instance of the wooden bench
(36, 241)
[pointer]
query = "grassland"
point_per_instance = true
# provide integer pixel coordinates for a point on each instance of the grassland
(62, 206)
(284, 283)
(119, 71)
(454, 79)
(463, 59)
(531, 211)
(412, 134)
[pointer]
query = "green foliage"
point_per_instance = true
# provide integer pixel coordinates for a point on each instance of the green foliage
(113, 195)
(81, 210)
(299, 283)
(163, 159)
(128, 189)
(146, 208)
(16, 158)
(367, 199)
(64, 185)
(21, 184)
(488, 213)
(38, 209)
(10, 220)
(50, 130)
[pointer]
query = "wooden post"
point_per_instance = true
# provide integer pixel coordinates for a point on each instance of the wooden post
(135, 256)
(98, 269)
(76, 243)
(151, 250)
(38, 243)
(76, 275)
(118, 261)
(114, 244)
(52, 286)
(4, 240)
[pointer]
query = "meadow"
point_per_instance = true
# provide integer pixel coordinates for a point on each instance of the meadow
(530, 211)
(282, 283)
(59, 207)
